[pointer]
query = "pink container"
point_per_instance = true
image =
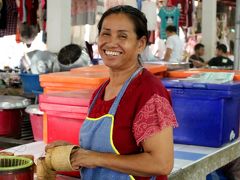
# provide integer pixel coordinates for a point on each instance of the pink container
(37, 126)
(64, 126)
(65, 113)
(36, 118)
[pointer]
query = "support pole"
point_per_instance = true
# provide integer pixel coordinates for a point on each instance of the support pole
(209, 11)
(58, 24)
(237, 41)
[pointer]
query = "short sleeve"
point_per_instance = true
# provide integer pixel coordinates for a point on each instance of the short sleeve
(156, 115)
(169, 43)
(211, 62)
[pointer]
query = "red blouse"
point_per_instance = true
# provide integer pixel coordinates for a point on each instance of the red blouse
(144, 110)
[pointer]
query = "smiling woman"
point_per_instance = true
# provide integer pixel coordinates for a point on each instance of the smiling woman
(128, 131)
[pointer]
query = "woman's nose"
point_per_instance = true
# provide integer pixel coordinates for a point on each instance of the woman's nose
(113, 41)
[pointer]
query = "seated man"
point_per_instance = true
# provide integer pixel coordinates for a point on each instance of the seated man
(196, 57)
(221, 59)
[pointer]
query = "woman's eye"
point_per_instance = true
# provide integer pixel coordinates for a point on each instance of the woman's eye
(105, 34)
(123, 36)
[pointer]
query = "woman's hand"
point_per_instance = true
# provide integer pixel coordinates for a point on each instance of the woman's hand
(84, 158)
(55, 144)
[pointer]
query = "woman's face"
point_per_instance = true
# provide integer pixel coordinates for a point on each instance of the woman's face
(118, 44)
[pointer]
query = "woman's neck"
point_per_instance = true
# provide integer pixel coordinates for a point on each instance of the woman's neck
(118, 77)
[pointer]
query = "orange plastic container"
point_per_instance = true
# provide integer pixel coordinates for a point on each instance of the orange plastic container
(48, 90)
(69, 81)
(187, 73)
(95, 68)
(69, 85)
(88, 78)
(153, 68)
(85, 78)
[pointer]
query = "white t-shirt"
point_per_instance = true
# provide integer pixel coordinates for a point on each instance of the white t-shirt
(175, 43)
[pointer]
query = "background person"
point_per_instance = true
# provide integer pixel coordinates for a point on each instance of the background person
(197, 56)
(174, 46)
(221, 59)
(126, 136)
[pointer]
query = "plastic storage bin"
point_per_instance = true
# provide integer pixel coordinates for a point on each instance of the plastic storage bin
(208, 114)
(36, 118)
(65, 114)
(95, 68)
(30, 83)
(153, 68)
(68, 81)
(16, 168)
(190, 72)
(11, 115)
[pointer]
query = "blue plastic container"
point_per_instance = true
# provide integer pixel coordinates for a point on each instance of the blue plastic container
(31, 84)
(208, 114)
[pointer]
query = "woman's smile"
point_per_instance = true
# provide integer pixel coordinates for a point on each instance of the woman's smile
(112, 53)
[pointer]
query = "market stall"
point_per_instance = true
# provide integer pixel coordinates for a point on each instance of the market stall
(190, 162)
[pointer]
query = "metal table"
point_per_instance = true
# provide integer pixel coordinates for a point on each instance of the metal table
(190, 162)
(196, 162)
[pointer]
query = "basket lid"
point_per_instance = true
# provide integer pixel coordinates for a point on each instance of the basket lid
(13, 102)
(11, 163)
(33, 109)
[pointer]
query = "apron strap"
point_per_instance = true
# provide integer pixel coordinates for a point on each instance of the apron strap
(115, 104)
(96, 96)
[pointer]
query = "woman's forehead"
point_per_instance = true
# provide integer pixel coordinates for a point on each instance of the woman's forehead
(118, 21)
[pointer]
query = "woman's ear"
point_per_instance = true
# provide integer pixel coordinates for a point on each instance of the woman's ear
(142, 42)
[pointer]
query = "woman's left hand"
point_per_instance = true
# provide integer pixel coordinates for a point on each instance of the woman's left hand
(84, 158)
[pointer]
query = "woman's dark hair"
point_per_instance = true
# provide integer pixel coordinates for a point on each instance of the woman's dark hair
(138, 18)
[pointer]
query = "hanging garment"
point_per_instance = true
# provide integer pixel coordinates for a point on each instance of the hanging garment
(1, 4)
(78, 35)
(31, 9)
(190, 13)
(83, 12)
(3, 15)
(11, 18)
(151, 38)
(111, 3)
(183, 7)
(27, 10)
(28, 33)
(132, 3)
(149, 9)
(139, 4)
(169, 16)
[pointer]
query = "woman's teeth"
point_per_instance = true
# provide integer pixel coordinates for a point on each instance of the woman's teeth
(112, 53)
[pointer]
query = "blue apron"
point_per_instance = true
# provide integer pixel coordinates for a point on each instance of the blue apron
(96, 135)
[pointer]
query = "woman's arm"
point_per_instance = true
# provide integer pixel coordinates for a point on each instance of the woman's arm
(157, 158)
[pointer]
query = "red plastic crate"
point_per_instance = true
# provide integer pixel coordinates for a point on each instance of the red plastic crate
(10, 122)
(65, 113)
(61, 127)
